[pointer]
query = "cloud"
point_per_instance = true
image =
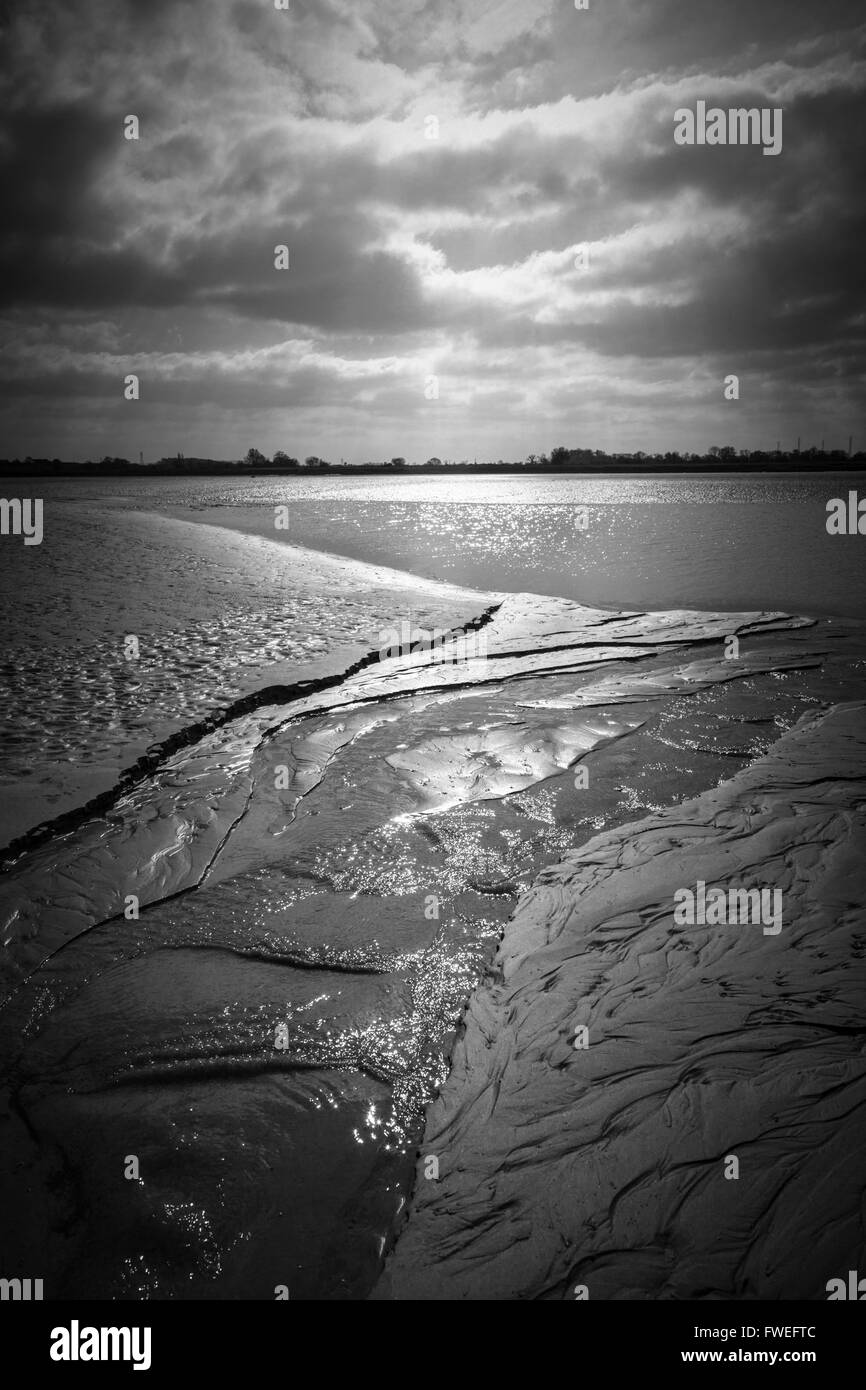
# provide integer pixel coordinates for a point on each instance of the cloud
(433, 169)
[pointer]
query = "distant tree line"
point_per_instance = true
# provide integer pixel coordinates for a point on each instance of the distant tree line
(559, 460)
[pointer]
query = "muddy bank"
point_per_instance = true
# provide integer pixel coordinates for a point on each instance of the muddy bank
(162, 622)
(602, 1166)
(320, 885)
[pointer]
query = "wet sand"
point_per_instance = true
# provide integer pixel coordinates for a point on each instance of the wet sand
(323, 886)
(216, 615)
(603, 1169)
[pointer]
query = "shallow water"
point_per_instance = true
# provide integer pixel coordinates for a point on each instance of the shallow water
(700, 545)
(729, 543)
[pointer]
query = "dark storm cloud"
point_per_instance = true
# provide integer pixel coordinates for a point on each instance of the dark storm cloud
(336, 284)
(49, 161)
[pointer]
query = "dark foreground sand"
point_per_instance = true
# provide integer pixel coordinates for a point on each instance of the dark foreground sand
(322, 882)
(604, 1167)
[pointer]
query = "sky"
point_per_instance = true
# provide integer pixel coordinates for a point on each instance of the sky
(495, 244)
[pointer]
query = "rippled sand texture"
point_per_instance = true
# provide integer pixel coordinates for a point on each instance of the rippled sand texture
(215, 616)
(323, 883)
(604, 1167)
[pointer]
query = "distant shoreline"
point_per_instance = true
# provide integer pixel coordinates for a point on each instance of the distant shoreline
(199, 468)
